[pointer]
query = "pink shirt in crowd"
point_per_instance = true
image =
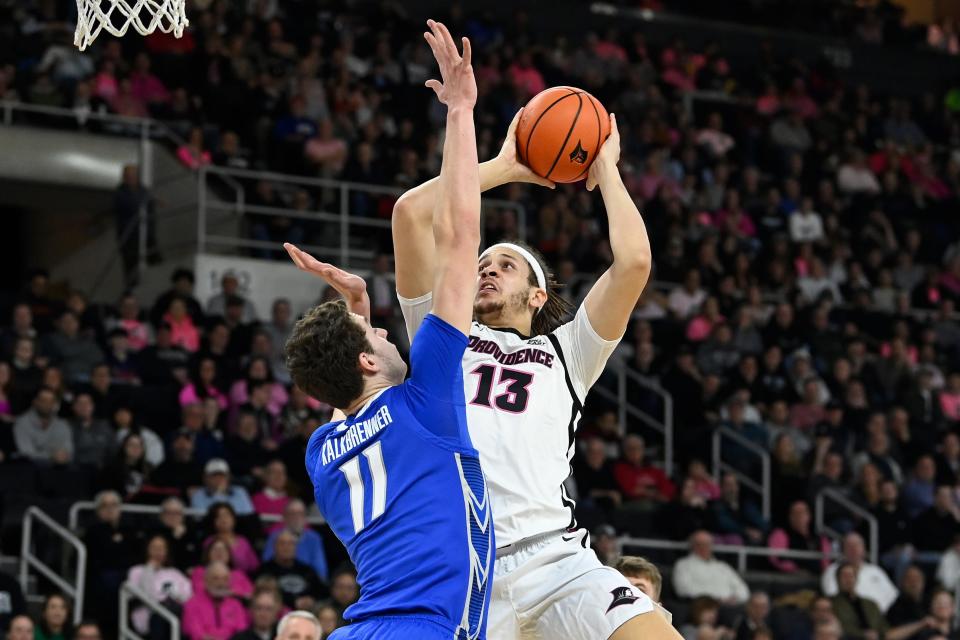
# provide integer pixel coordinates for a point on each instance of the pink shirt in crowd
(240, 584)
(244, 557)
(205, 618)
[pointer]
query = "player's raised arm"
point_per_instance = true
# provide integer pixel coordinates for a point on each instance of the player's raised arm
(413, 243)
(352, 287)
(456, 214)
(612, 299)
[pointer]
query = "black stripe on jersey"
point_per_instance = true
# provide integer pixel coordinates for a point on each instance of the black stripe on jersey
(571, 427)
(507, 330)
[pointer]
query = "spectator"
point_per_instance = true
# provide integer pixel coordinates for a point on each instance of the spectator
(194, 153)
(806, 225)
(279, 329)
(40, 435)
(139, 333)
(125, 424)
(798, 536)
(329, 620)
(273, 498)
(919, 489)
(207, 441)
(871, 583)
(604, 544)
(203, 385)
(596, 483)
(12, 602)
(642, 485)
(310, 550)
(343, 590)
(218, 489)
(54, 621)
(21, 628)
(110, 553)
(894, 528)
(93, 441)
(183, 332)
(182, 281)
(685, 299)
(298, 582)
(860, 617)
(165, 584)
(299, 625)
(181, 537)
(164, 363)
(264, 614)
(704, 621)
(213, 614)
(88, 630)
(248, 449)
(130, 472)
(221, 522)
(878, 452)
(948, 569)
(735, 519)
(943, 617)
(219, 551)
(934, 529)
(700, 574)
(180, 471)
(258, 370)
(948, 460)
(756, 616)
(230, 287)
(73, 352)
(910, 605)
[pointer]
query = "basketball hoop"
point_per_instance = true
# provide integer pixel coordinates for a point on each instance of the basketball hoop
(116, 16)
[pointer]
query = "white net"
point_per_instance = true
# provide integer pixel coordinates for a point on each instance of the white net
(116, 16)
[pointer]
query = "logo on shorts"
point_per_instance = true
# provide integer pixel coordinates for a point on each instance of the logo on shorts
(621, 595)
(578, 155)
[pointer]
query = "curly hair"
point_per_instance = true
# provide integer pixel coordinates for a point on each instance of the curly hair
(323, 354)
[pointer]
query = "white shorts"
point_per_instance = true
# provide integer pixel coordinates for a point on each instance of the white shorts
(554, 587)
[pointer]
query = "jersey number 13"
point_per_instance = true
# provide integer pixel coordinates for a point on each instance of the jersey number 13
(515, 397)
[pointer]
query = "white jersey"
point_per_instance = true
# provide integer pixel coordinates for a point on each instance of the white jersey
(524, 399)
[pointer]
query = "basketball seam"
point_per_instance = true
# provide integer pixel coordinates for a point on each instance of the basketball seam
(599, 129)
(569, 133)
(526, 148)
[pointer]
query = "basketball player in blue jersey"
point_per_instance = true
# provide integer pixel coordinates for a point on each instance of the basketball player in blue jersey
(397, 476)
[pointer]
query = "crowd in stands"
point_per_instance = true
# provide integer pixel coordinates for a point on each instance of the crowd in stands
(807, 267)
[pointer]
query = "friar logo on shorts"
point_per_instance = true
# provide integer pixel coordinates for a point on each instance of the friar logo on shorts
(621, 595)
(578, 155)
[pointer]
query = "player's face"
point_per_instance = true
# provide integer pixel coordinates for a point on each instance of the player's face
(392, 365)
(503, 284)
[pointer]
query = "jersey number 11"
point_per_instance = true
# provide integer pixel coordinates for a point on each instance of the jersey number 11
(378, 478)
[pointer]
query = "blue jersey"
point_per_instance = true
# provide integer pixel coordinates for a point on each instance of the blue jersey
(400, 484)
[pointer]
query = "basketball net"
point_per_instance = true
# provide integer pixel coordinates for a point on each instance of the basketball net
(116, 16)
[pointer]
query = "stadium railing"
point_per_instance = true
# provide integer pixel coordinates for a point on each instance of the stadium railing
(129, 593)
(762, 487)
(147, 509)
(740, 552)
(856, 511)
(29, 560)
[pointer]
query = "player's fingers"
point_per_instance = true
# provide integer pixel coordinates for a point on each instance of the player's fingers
(434, 45)
(434, 84)
(447, 41)
(512, 129)
(614, 131)
(292, 251)
(467, 51)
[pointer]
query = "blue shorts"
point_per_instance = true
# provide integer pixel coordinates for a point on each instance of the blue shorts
(397, 628)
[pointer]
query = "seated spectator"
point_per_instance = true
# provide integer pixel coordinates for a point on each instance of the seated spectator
(21, 628)
(221, 521)
(935, 528)
(641, 484)
(183, 332)
(736, 520)
(165, 584)
(701, 574)
(734, 453)
(701, 325)
(918, 490)
(788, 478)
(88, 630)
(181, 536)
(799, 536)
(878, 451)
(125, 424)
(12, 602)
(894, 529)
(247, 449)
(298, 625)
(603, 541)
(687, 298)
(164, 362)
(300, 407)
(860, 617)
(596, 483)
(806, 225)
(27, 376)
(75, 353)
(180, 471)
(706, 487)
(942, 622)
(213, 614)
(298, 582)
(686, 513)
(871, 583)
(950, 398)
(756, 616)
(264, 614)
(123, 363)
(703, 622)
(258, 370)
(310, 550)
(343, 590)
(948, 460)
(194, 153)
(866, 491)
(54, 623)
(910, 605)
(129, 473)
(948, 569)
(139, 333)
(40, 435)
(329, 619)
(230, 286)
(219, 551)
(203, 385)
(810, 410)
(93, 440)
(218, 489)
(111, 551)
(274, 496)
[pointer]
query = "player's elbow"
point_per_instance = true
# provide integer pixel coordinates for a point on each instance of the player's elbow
(636, 264)
(407, 213)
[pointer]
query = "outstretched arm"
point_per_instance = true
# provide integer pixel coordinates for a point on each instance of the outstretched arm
(413, 242)
(352, 287)
(456, 210)
(614, 296)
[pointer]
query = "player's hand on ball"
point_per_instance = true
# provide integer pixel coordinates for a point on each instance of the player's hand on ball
(608, 157)
(515, 170)
(459, 87)
(349, 285)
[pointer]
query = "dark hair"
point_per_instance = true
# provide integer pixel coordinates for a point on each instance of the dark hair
(209, 520)
(266, 365)
(556, 310)
(323, 354)
(67, 629)
(206, 552)
(179, 274)
(199, 388)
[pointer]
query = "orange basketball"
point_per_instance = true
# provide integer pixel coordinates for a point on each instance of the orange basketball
(560, 132)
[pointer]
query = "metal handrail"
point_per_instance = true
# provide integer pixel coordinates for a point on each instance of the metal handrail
(763, 487)
(29, 560)
(129, 592)
(148, 509)
(742, 552)
(873, 529)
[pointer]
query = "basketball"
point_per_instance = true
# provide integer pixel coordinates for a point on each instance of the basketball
(560, 132)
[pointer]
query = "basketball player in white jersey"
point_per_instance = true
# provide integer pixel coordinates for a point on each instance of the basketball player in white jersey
(526, 375)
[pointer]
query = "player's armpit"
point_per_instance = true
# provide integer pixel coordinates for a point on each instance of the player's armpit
(647, 626)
